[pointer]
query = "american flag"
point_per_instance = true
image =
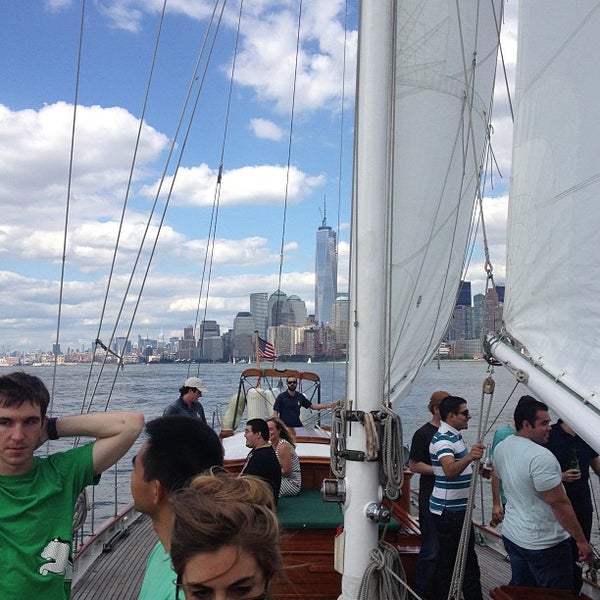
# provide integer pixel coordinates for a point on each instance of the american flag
(266, 350)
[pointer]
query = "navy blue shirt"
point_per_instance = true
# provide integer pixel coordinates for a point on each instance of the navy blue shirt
(562, 445)
(180, 408)
(288, 407)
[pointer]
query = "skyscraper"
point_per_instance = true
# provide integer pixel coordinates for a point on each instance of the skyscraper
(259, 307)
(325, 274)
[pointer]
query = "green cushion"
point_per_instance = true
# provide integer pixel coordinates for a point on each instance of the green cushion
(308, 511)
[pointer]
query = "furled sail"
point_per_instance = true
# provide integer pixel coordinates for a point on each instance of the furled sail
(445, 65)
(553, 262)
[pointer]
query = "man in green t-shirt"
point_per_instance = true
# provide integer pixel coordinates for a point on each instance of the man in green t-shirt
(37, 495)
(176, 449)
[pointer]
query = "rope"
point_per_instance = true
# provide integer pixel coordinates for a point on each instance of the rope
(338, 442)
(454, 592)
(68, 203)
(372, 438)
(289, 164)
(383, 574)
(392, 454)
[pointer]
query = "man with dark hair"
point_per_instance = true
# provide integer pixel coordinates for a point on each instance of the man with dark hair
(261, 460)
(188, 404)
(177, 448)
(539, 516)
(288, 403)
(453, 470)
(575, 458)
(38, 494)
(419, 461)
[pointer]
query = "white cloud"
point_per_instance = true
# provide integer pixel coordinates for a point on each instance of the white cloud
(252, 185)
(265, 129)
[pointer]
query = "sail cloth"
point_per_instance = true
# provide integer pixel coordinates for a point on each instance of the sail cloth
(552, 302)
(445, 67)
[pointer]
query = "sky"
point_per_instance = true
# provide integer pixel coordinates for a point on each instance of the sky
(264, 214)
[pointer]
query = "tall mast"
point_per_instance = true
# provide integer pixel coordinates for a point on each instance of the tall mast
(365, 373)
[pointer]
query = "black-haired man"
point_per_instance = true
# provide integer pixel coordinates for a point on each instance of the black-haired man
(261, 460)
(177, 448)
(539, 516)
(453, 469)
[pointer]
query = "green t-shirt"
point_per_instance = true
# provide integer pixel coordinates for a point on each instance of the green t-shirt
(36, 524)
(159, 578)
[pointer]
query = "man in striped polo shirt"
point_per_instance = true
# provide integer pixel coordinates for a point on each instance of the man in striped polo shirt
(453, 470)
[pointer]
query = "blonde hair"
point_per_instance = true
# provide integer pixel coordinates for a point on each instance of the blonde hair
(283, 431)
(216, 510)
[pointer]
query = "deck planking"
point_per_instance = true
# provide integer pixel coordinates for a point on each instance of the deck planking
(118, 574)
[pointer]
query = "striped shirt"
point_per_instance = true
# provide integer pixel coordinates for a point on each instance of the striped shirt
(449, 493)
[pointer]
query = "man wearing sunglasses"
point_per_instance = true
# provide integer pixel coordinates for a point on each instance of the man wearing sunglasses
(288, 403)
(453, 470)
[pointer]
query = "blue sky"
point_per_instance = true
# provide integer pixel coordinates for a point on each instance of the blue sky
(39, 46)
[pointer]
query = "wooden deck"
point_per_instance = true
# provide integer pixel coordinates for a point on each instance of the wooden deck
(117, 575)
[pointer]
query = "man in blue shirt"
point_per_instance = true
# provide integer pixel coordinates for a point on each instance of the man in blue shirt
(288, 403)
(188, 403)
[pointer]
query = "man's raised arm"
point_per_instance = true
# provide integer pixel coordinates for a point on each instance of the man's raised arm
(115, 433)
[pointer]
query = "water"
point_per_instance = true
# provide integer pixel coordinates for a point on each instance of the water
(149, 388)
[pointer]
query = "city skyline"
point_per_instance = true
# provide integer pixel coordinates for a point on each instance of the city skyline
(259, 196)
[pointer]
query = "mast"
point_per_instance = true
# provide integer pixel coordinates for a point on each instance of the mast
(365, 372)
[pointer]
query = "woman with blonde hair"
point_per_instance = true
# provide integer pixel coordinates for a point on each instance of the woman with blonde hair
(225, 539)
(284, 444)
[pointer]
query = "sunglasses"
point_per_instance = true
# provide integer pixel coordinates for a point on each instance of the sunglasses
(292, 382)
(463, 412)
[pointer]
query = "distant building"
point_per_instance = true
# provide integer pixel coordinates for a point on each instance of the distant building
(276, 308)
(122, 346)
(188, 344)
(212, 349)
(243, 335)
(325, 274)
(464, 294)
(210, 344)
(295, 312)
(341, 320)
(259, 308)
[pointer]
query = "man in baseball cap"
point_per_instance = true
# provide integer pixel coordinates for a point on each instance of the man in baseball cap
(188, 403)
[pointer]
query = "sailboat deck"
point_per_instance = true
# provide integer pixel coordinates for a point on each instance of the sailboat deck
(118, 574)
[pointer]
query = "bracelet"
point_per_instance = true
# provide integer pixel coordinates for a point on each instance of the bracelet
(51, 429)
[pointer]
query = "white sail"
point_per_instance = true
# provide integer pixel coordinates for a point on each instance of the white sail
(553, 267)
(445, 67)
(426, 73)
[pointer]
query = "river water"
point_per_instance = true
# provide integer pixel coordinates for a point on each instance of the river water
(148, 388)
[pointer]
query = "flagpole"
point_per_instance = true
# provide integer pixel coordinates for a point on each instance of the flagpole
(257, 354)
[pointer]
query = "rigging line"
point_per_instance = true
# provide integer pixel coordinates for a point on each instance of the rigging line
(340, 166)
(179, 159)
(178, 165)
(289, 161)
(504, 72)
(218, 189)
(186, 102)
(123, 212)
(389, 234)
(68, 202)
